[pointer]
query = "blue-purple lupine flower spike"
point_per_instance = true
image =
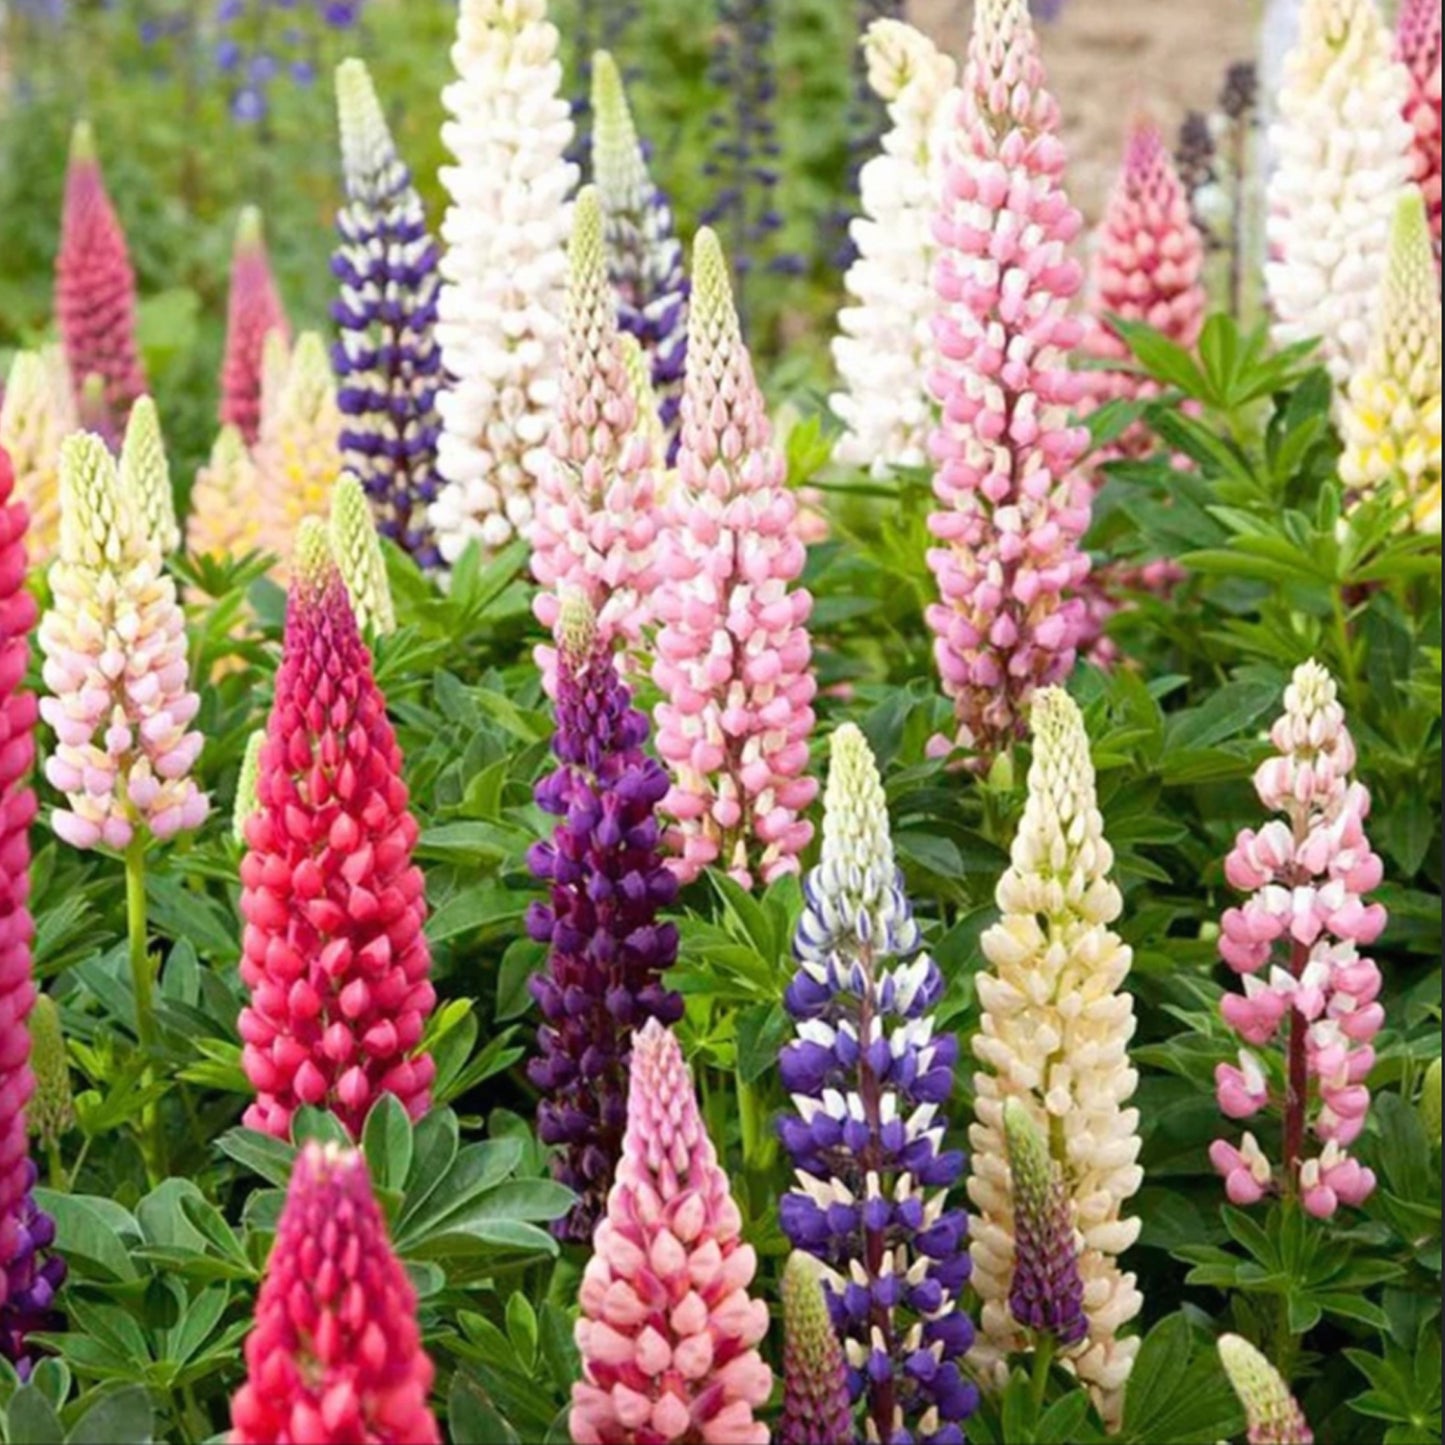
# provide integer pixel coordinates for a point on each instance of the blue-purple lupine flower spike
(869, 1078)
(386, 357)
(32, 1280)
(607, 947)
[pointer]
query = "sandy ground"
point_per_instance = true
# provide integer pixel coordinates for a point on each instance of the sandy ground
(1109, 59)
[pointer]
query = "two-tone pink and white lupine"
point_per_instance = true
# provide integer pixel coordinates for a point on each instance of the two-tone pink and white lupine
(1014, 503)
(1417, 45)
(504, 270)
(595, 526)
(114, 642)
(1295, 943)
(37, 414)
(1054, 1036)
(668, 1333)
(1341, 147)
(886, 347)
(733, 649)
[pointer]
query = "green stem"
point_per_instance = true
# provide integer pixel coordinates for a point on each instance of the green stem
(1043, 1360)
(1345, 648)
(143, 985)
(55, 1167)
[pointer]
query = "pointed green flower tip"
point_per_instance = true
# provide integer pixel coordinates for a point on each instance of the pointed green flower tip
(854, 790)
(145, 475)
(1430, 1103)
(228, 451)
(366, 142)
(357, 549)
(250, 229)
(805, 1308)
(1411, 278)
(98, 523)
(576, 629)
(712, 287)
(1029, 1162)
(82, 143)
(275, 364)
(248, 804)
(585, 253)
(51, 1110)
(313, 563)
(1061, 750)
(1270, 1409)
(639, 382)
(617, 159)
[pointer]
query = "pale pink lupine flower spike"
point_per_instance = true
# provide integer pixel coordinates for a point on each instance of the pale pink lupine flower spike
(733, 650)
(668, 1333)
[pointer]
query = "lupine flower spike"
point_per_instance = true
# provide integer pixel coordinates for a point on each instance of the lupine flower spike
(668, 1334)
(869, 1079)
(1273, 1415)
(335, 1354)
(595, 527)
(37, 414)
(386, 355)
(115, 665)
(253, 311)
(1295, 943)
(145, 474)
(1430, 1103)
(816, 1407)
(733, 650)
(333, 949)
(644, 256)
(1341, 148)
(504, 269)
(51, 1111)
(1054, 1038)
(886, 348)
(607, 948)
(95, 286)
(299, 454)
(1417, 45)
(357, 549)
(1391, 416)
(247, 779)
(1013, 502)
(222, 521)
(29, 1275)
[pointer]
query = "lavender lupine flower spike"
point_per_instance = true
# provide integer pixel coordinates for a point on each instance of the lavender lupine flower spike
(868, 1077)
(644, 256)
(386, 356)
(607, 948)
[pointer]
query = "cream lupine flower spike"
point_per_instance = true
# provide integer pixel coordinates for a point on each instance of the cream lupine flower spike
(357, 549)
(886, 348)
(37, 415)
(1391, 416)
(1343, 153)
(1054, 1035)
(222, 521)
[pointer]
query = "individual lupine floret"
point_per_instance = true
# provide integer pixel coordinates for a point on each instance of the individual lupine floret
(1273, 1415)
(1341, 148)
(95, 286)
(668, 1334)
(223, 520)
(1390, 419)
(37, 414)
(816, 1407)
(733, 649)
(253, 312)
(869, 1078)
(335, 1354)
(145, 474)
(644, 255)
(1014, 502)
(386, 354)
(115, 665)
(595, 526)
(1417, 46)
(333, 950)
(298, 456)
(886, 347)
(357, 549)
(504, 270)
(607, 946)
(1054, 1037)
(1307, 874)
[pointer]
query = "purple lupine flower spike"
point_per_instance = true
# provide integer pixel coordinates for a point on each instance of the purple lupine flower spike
(386, 356)
(869, 1078)
(816, 1407)
(607, 947)
(32, 1279)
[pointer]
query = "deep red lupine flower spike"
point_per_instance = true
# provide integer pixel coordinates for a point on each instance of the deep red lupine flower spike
(333, 950)
(253, 310)
(335, 1355)
(95, 287)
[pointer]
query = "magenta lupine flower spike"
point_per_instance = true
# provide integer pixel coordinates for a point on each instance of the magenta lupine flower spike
(1295, 943)
(595, 522)
(733, 650)
(95, 285)
(335, 1355)
(668, 1334)
(1014, 504)
(253, 311)
(1417, 44)
(816, 1407)
(333, 949)
(1273, 1414)
(114, 642)
(29, 1275)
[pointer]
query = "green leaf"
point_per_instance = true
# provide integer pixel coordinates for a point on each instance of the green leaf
(386, 1140)
(260, 1153)
(1178, 1391)
(761, 1032)
(88, 1233)
(471, 1417)
(31, 1419)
